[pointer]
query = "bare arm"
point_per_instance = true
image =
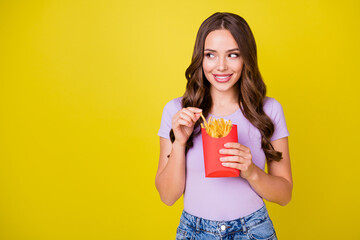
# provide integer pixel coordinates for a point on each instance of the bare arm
(170, 177)
(276, 185)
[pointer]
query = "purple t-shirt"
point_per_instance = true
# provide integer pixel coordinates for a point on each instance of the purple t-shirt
(227, 198)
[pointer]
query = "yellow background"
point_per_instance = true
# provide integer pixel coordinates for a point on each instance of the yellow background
(82, 89)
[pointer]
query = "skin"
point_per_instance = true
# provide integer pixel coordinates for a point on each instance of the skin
(219, 60)
(274, 186)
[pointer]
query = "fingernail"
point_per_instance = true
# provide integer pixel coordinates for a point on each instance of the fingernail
(221, 150)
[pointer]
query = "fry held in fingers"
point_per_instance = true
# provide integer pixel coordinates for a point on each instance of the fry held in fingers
(216, 128)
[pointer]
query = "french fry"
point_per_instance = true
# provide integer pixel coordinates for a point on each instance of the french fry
(216, 128)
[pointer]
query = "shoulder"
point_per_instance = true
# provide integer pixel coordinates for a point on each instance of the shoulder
(271, 106)
(174, 103)
(173, 106)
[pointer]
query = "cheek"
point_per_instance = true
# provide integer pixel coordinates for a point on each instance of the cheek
(208, 65)
(237, 67)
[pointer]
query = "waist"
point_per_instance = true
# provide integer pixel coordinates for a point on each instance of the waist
(219, 198)
(243, 223)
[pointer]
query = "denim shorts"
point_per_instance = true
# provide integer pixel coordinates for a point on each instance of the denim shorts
(256, 226)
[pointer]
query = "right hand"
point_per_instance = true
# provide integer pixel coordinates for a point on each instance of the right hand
(183, 123)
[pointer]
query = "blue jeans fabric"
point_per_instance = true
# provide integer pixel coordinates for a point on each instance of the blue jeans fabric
(255, 226)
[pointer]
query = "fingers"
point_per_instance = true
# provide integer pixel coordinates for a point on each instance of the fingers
(192, 112)
(184, 122)
(179, 119)
(242, 167)
(230, 159)
(189, 114)
(236, 153)
(240, 158)
(233, 165)
(183, 119)
(186, 116)
(231, 151)
(194, 109)
(237, 146)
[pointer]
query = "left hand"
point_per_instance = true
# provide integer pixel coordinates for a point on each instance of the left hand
(241, 159)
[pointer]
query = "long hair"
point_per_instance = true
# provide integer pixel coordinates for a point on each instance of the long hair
(250, 86)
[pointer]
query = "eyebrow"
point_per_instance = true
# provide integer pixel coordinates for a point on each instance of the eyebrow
(230, 50)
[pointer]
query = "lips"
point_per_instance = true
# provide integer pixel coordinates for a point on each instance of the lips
(222, 77)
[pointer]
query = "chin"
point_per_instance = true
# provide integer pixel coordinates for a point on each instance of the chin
(222, 89)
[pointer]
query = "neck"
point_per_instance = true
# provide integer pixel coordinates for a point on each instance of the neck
(222, 99)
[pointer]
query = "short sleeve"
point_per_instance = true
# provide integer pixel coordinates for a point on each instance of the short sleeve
(278, 118)
(169, 110)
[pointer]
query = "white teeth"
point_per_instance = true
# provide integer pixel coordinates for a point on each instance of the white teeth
(223, 77)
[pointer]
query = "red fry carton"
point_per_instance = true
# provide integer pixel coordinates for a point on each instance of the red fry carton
(211, 147)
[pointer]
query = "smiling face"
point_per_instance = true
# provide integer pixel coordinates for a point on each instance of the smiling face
(222, 63)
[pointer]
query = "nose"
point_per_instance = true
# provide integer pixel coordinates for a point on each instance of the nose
(222, 64)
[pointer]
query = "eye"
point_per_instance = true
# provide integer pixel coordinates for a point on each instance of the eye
(208, 54)
(236, 55)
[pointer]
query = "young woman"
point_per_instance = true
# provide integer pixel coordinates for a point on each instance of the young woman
(223, 81)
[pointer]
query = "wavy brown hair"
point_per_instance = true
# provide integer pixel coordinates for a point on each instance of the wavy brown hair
(251, 87)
